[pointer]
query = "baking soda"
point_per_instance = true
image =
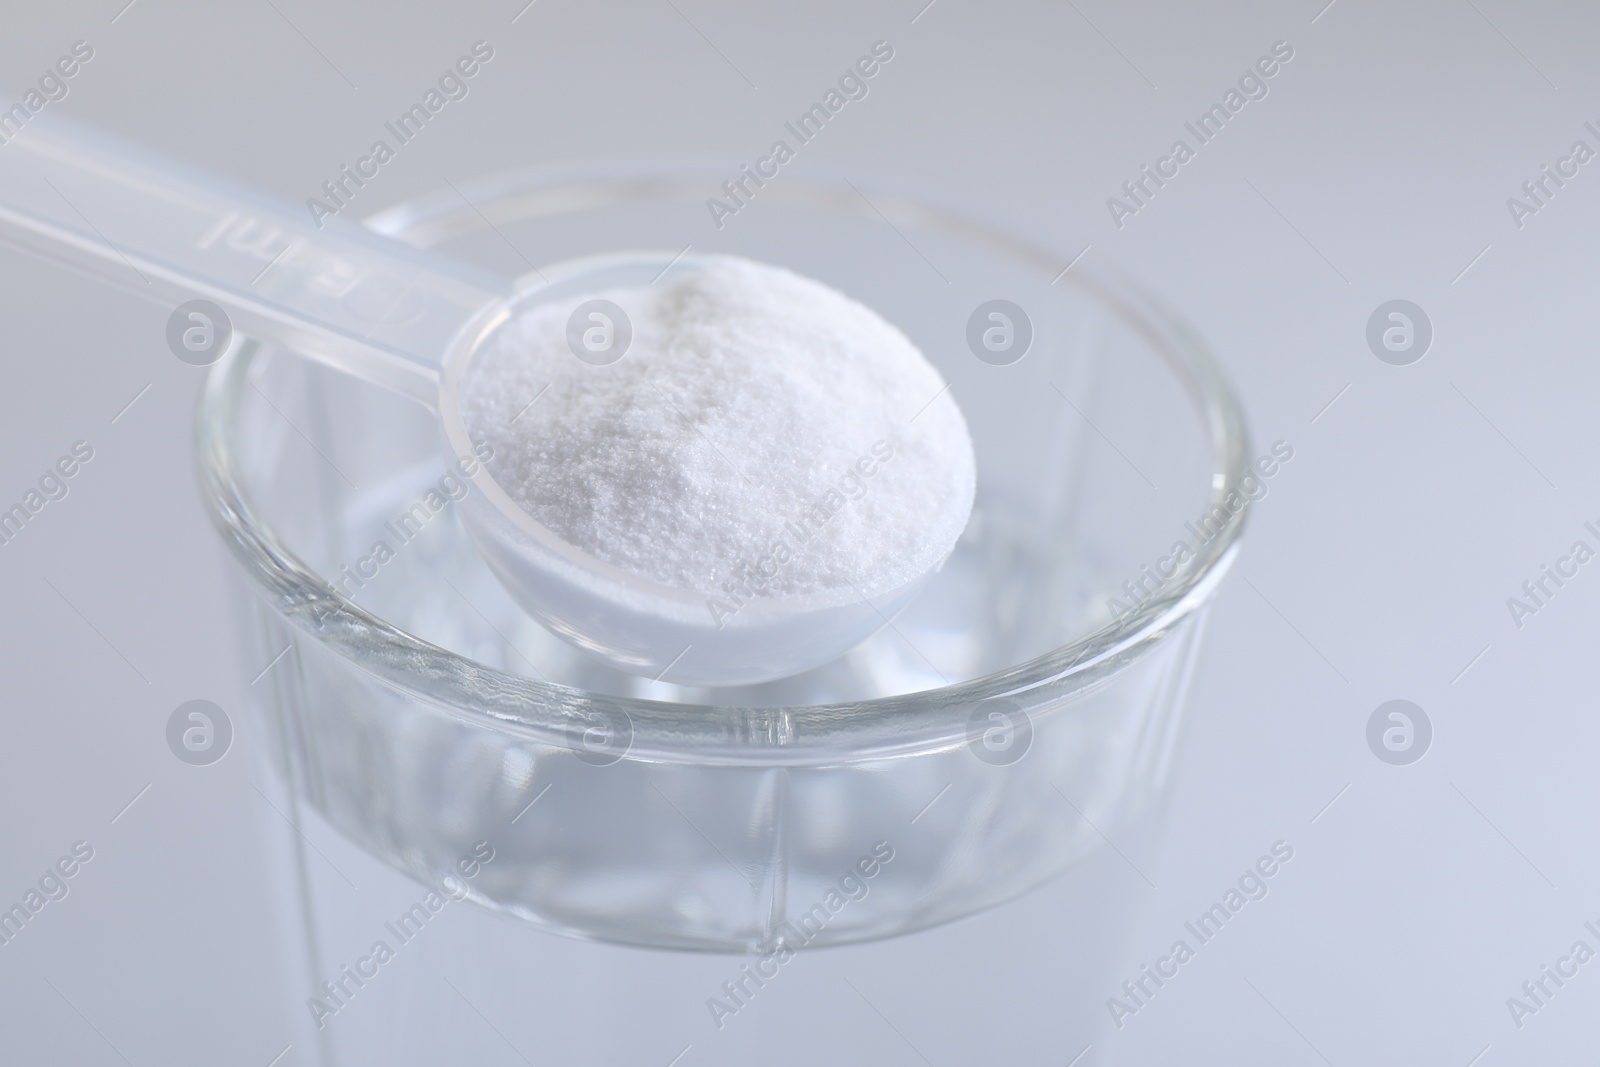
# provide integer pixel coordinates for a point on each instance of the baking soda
(763, 435)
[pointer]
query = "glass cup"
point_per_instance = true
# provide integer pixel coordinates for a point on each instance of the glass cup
(414, 716)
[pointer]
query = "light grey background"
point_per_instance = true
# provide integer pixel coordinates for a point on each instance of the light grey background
(1378, 167)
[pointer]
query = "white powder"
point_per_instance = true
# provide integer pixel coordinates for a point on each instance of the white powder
(764, 435)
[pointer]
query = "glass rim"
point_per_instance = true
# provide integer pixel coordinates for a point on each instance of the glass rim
(930, 720)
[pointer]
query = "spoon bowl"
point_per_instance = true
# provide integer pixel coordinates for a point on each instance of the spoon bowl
(645, 627)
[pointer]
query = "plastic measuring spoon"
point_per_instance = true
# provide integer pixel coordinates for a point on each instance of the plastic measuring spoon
(410, 322)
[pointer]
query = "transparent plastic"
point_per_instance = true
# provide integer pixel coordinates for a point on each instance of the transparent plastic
(166, 232)
(411, 323)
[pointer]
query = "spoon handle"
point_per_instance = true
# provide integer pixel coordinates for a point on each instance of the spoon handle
(378, 309)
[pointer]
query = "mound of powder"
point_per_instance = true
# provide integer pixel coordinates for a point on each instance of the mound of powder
(764, 435)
